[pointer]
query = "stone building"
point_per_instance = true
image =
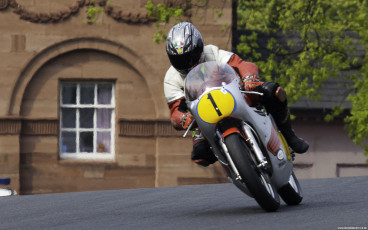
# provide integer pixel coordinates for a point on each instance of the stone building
(82, 105)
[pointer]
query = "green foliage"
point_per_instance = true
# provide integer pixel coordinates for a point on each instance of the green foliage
(336, 110)
(357, 122)
(93, 12)
(302, 43)
(177, 12)
(163, 13)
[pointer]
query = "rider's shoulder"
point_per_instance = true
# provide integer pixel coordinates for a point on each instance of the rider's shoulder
(214, 53)
(172, 74)
(210, 48)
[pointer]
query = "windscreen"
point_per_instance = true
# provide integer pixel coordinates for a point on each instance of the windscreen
(207, 75)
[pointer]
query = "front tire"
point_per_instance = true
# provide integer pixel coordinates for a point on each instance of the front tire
(291, 193)
(256, 180)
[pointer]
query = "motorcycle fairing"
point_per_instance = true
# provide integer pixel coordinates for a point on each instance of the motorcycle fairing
(228, 94)
(273, 144)
(216, 105)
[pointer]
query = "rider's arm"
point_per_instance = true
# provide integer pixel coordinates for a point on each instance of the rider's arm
(174, 93)
(248, 72)
(179, 116)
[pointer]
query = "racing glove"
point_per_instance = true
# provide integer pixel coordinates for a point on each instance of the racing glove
(179, 115)
(186, 119)
(251, 82)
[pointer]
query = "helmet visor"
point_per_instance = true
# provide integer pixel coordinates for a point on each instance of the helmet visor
(184, 61)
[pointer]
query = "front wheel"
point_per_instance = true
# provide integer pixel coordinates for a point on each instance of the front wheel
(291, 193)
(256, 180)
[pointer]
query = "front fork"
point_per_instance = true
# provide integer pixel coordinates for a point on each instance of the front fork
(250, 139)
(261, 159)
(228, 157)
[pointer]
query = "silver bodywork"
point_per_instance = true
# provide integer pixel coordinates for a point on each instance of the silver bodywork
(257, 126)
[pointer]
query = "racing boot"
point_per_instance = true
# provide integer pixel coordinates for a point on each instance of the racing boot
(296, 143)
(275, 102)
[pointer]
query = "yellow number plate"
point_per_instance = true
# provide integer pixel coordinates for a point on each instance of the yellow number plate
(216, 105)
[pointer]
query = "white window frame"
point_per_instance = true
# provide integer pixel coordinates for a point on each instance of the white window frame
(86, 155)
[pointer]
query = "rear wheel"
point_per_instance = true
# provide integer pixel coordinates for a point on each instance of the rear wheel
(256, 179)
(291, 193)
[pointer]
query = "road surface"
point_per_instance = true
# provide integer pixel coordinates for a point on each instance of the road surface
(336, 203)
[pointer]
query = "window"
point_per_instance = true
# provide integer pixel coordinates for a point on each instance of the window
(87, 120)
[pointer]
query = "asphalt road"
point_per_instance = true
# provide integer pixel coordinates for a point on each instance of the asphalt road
(338, 203)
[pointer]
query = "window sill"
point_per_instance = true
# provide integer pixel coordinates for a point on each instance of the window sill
(87, 162)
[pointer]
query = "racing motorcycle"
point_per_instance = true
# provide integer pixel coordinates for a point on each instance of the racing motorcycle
(245, 139)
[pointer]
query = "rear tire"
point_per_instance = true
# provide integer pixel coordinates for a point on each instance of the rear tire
(291, 193)
(256, 180)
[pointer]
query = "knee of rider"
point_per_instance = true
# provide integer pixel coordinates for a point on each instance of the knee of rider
(281, 94)
(202, 150)
(273, 95)
(200, 147)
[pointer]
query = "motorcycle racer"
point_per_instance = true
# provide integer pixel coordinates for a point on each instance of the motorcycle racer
(185, 49)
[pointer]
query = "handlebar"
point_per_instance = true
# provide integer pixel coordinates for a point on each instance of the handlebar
(252, 92)
(189, 127)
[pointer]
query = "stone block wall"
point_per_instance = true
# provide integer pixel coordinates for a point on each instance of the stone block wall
(43, 43)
